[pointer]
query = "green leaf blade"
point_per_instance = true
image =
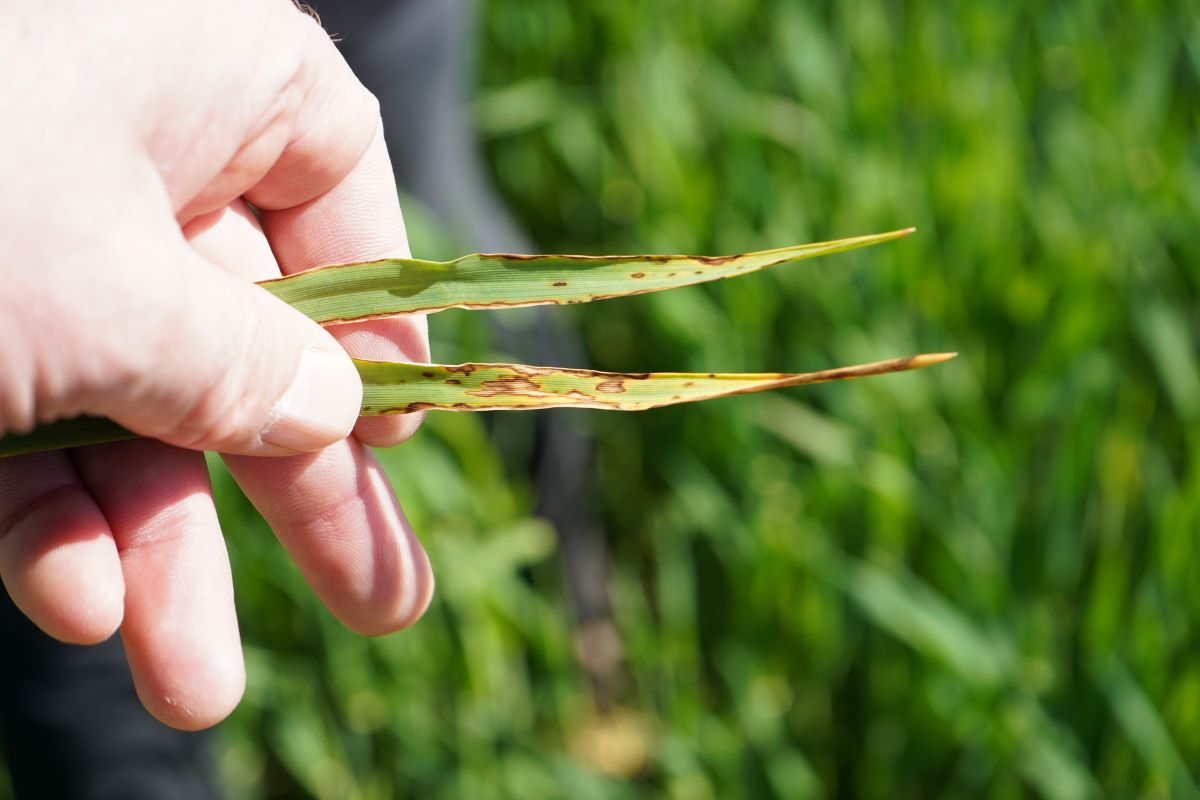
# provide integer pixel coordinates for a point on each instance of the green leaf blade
(352, 292)
(74, 432)
(400, 388)
(393, 388)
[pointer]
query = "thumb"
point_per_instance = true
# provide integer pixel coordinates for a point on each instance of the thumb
(223, 365)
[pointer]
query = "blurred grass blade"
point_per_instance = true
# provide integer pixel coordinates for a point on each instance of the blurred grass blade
(398, 388)
(393, 388)
(1148, 732)
(406, 286)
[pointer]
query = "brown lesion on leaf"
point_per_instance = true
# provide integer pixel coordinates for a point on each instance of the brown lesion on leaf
(615, 383)
(463, 369)
(534, 372)
(509, 386)
(560, 284)
(410, 408)
(453, 382)
(428, 375)
(637, 275)
(716, 261)
(512, 256)
(544, 257)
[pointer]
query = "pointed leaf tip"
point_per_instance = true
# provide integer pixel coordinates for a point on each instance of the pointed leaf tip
(929, 359)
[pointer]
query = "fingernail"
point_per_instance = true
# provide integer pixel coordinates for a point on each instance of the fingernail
(320, 406)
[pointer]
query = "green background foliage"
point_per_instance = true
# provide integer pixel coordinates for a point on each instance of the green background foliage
(971, 581)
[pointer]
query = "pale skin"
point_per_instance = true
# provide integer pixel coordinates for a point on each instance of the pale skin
(132, 136)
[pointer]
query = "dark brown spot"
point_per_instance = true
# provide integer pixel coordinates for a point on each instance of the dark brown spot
(638, 275)
(428, 375)
(454, 381)
(560, 283)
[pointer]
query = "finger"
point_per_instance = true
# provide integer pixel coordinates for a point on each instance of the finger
(199, 358)
(334, 511)
(336, 514)
(180, 629)
(359, 219)
(58, 560)
(329, 131)
(307, 136)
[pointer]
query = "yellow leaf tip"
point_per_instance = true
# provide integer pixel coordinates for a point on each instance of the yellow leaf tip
(929, 359)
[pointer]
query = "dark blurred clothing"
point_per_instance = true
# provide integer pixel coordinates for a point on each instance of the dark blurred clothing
(73, 726)
(415, 56)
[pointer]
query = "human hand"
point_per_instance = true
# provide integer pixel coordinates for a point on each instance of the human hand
(131, 134)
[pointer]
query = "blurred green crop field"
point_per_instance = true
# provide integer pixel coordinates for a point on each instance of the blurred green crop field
(978, 580)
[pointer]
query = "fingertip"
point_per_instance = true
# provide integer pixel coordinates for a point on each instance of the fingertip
(213, 690)
(61, 568)
(84, 621)
(321, 405)
(405, 610)
(402, 581)
(338, 516)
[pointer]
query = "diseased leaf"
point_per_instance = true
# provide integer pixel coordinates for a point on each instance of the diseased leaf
(391, 388)
(397, 286)
(352, 292)
(398, 388)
